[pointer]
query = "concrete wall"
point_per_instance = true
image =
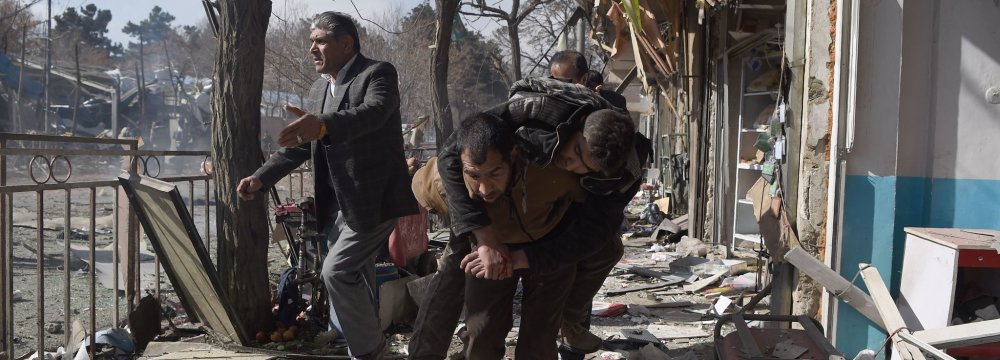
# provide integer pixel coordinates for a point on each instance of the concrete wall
(925, 150)
(814, 152)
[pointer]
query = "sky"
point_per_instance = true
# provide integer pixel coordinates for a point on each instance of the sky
(190, 12)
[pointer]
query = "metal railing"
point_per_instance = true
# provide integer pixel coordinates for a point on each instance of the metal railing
(49, 170)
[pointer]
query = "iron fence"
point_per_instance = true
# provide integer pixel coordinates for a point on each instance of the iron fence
(48, 164)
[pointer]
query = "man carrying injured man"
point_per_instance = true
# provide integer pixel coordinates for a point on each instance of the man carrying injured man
(555, 124)
(526, 203)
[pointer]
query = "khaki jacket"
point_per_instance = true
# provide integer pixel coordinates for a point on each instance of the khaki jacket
(532, 206)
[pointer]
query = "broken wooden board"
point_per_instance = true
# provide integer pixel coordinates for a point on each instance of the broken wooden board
(889, 313)
(976, 333)
(626, 290)
(835, 284)
(640, 336)
(672, 304)
(673, 316)
(182, 253)
(703, 283)
(937, 353)
(667, 332)
(638, 270)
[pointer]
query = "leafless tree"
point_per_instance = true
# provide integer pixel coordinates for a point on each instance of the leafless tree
(14, 16)
(512, 20)
(289, 68)
(405, 43)
(242, 225)
(445, 17)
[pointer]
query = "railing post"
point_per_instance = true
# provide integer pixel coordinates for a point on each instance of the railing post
(128, 230)
(4, 259)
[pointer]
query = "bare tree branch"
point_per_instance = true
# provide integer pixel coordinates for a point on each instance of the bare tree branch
(486, 11)
(373, 23)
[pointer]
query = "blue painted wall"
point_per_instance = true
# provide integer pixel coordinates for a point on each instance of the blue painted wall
(877, 208)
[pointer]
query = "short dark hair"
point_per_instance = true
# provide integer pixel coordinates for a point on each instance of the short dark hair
(573, 58)
(610, 137)
(338, 25)
(481, 133)
(594, 78)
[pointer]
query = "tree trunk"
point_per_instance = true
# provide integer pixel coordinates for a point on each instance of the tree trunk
(446, 12)
(515, 49)
(241, 225)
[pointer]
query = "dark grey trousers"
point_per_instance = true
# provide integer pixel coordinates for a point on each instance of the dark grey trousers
(349, 276)
(441, 307)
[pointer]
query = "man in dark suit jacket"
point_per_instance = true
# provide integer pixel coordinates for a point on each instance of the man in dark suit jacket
(352, 134)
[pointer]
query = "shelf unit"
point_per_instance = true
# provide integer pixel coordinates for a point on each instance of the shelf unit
(751, 103)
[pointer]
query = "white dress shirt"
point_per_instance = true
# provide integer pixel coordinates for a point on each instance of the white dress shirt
(340, 75)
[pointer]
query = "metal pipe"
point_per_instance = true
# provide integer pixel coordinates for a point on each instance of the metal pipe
(40, 270)
(93, 273)
(5, 259)
(67, 152)
(841, 137)
(114, 257)
(64, 139)
(191, 198)
(48, 66)
(66, 270)
(9, 254)
(208, 218)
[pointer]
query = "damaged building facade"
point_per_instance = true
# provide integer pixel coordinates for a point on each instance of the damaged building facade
(863, 118)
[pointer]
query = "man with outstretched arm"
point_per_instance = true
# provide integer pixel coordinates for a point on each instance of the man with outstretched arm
(351, 132)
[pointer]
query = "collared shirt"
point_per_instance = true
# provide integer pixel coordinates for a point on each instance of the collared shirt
(340, 75)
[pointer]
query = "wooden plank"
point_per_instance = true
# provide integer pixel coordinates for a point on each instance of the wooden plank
(703, 283)
(636, 288)
(672, 304)
(912, 340)
(670, 331)
(888, 311)
(976, 333)
(649, 273)
(835, 284)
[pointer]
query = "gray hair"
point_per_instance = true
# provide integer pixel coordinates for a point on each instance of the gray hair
(337, 25)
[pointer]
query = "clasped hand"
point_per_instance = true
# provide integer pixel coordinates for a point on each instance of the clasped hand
(488, 262)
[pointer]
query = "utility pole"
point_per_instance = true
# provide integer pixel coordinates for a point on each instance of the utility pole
(48, 65)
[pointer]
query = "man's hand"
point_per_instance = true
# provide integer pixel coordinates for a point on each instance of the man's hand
(248, 187)
(412, 165)
(493, 255)
(302, 130)
(473, 264)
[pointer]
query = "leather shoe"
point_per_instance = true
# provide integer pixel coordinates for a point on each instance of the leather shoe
(579, 339)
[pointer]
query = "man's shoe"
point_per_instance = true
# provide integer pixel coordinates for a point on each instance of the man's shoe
(377, 354)
(579, 339)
